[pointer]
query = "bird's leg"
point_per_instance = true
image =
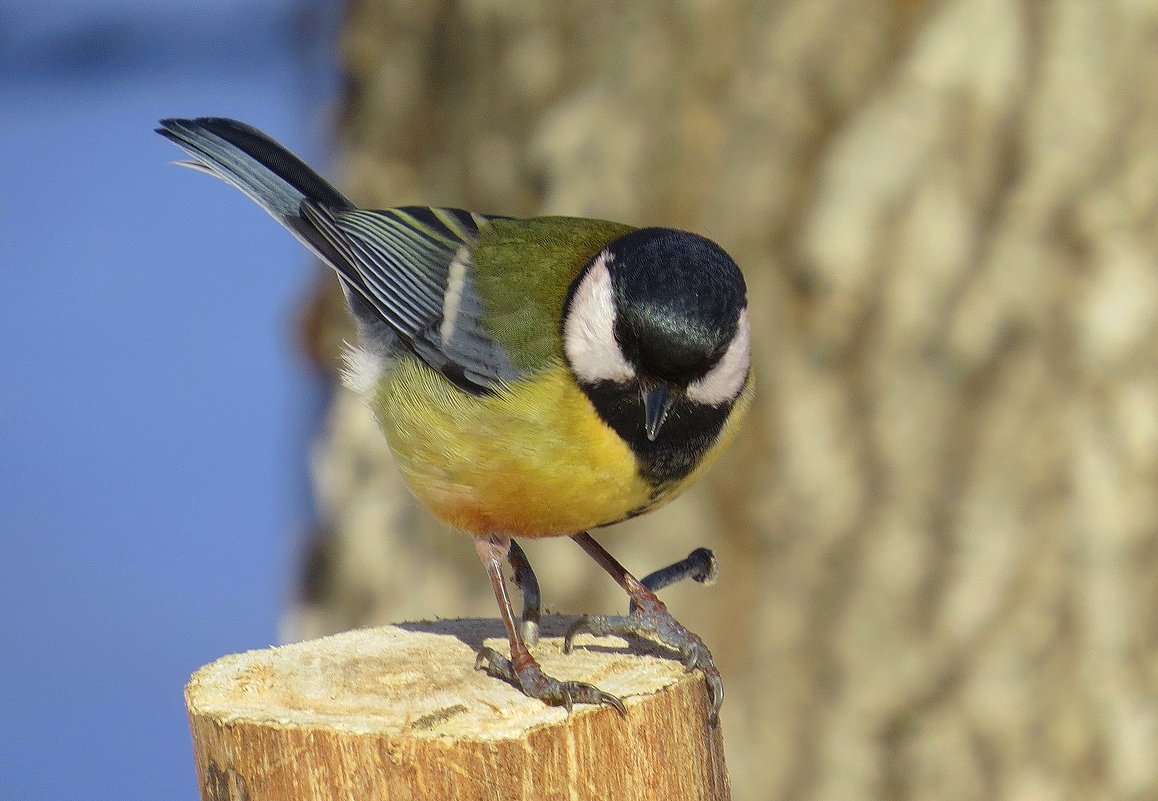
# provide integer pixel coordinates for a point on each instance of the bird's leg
(648, 618)
(699, 566)
(521, 669)
(528, 585)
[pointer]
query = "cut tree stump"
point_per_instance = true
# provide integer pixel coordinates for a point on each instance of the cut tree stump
(400, 713)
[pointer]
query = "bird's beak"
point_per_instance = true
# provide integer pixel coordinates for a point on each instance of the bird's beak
(656, 404)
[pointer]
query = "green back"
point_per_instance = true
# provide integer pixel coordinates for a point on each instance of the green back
(523, 271)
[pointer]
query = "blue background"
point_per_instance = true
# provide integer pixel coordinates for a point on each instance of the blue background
(152, 411)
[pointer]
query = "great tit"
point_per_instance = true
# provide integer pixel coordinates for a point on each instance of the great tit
(533, 377)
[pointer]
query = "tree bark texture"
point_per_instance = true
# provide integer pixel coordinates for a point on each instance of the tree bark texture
(939, 531)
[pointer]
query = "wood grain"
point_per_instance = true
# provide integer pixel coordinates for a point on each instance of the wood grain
(400, 713)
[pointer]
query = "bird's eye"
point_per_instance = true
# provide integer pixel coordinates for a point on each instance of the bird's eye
(724, 381)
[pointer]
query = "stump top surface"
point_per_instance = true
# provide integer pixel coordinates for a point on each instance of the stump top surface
(383, 681)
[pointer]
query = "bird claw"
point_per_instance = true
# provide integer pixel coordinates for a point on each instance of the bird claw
(659, 626)
(534, 683)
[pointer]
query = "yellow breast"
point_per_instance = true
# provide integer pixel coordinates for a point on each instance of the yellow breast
(533, 461)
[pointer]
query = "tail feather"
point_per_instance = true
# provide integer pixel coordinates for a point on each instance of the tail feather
(275, 178)
(257, 165)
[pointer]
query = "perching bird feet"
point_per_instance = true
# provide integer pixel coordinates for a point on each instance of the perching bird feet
(649, 616)
(534, 683)
(651, 620)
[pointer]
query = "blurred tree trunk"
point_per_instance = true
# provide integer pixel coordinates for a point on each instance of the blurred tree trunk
(939, 535)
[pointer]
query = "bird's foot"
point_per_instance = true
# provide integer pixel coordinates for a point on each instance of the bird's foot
(700, 566)
(534, 683)
(652, 621)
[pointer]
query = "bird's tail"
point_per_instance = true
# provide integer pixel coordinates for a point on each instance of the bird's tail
(241, 155)
(257, 165)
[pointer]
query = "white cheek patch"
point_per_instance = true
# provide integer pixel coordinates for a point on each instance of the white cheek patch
(589, 330)
(723, 382)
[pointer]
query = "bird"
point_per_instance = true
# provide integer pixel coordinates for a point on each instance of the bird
(533, 377)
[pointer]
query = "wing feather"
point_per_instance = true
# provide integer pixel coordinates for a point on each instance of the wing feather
(394, 264)
(403, 257)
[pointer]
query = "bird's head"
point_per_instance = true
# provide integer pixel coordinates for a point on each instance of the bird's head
(656, 327)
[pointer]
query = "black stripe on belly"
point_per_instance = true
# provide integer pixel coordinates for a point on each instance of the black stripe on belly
(688, 433)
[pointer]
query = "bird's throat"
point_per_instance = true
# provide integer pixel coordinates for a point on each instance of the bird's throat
(689, 431)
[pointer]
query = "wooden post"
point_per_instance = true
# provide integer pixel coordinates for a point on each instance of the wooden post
(400, 713)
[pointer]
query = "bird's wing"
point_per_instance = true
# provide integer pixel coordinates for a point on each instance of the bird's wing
(407, 272)
(413, 266)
